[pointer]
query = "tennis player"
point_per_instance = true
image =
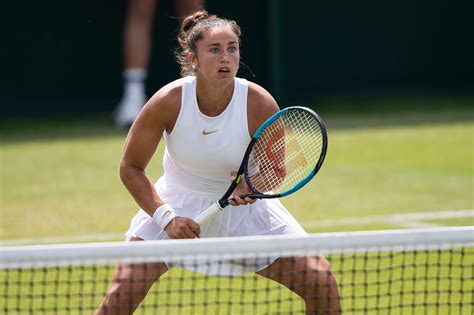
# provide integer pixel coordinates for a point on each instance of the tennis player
(206, 119)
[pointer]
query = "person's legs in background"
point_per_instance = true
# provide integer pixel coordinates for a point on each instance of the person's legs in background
(137, 49)
(137, 52)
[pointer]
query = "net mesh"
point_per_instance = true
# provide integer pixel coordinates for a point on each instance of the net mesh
(402, 272)
(286, 152)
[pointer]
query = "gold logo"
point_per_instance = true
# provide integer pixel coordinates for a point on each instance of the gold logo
(205, 133)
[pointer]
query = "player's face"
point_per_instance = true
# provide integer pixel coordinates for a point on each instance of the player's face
(218, 55)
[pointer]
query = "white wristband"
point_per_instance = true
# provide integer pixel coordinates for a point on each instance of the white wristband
(163, 215)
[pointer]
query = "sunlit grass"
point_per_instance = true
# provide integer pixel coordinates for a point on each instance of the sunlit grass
(62, 179)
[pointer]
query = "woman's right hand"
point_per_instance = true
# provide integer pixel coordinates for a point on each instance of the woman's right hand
(181, 227)
(241, 189)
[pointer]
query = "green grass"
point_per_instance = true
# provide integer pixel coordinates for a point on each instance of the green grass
(59, 177)
(392, 169)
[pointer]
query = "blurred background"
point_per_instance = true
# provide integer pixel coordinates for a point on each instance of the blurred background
(66, 56)
(394, 81)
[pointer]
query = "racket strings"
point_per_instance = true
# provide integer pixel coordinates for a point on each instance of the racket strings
(285, 153)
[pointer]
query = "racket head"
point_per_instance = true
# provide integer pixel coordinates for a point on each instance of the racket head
(285, 153)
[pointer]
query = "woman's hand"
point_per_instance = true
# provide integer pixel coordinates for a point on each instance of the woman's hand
(181, 227)
(241, 189)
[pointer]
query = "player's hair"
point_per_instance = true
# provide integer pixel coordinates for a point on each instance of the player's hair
(192, 30)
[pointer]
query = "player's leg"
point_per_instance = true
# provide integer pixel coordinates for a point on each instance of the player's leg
(137, 41)
(309, 277)
(129, 286)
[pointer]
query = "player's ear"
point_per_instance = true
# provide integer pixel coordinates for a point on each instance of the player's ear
(192, 60)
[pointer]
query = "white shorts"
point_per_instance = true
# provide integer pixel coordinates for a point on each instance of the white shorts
(264, 217)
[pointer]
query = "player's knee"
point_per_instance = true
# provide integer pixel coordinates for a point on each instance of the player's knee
(317, 279)
(124, 294)
(325, 277)
(120, 300)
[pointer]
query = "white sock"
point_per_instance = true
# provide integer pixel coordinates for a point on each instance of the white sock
(134, 82)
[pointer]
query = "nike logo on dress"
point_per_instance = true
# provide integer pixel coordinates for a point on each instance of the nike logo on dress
(205, 133)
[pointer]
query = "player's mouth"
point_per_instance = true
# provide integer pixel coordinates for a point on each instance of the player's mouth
(224, 70)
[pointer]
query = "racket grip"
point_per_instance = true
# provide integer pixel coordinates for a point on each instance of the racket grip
(208, 214)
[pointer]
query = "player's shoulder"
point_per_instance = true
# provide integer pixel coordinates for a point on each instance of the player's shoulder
(169, 95)
(259, 92)
(165, 104)
(260, 102)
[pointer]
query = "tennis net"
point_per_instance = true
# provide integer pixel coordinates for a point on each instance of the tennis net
(424, 271)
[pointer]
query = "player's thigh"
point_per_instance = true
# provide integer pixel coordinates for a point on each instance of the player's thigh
(294, 271)
(137, 275)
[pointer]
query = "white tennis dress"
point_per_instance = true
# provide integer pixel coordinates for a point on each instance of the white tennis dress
(201, 151)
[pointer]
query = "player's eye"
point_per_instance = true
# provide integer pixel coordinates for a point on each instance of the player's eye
(232, 49)
(214, 50)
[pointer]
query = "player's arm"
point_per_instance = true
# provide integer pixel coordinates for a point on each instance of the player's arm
(270, 152)
(157, 116)
(260, 106)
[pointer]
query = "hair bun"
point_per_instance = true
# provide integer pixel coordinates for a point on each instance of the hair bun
(191, 20)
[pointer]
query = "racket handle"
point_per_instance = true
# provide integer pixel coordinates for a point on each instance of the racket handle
(208, 214)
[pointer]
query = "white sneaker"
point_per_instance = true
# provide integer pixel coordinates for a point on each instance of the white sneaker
(128, 109)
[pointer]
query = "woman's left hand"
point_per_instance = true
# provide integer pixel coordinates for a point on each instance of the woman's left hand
(241, 189)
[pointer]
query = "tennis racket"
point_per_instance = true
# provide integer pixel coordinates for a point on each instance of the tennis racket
(284, 154)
